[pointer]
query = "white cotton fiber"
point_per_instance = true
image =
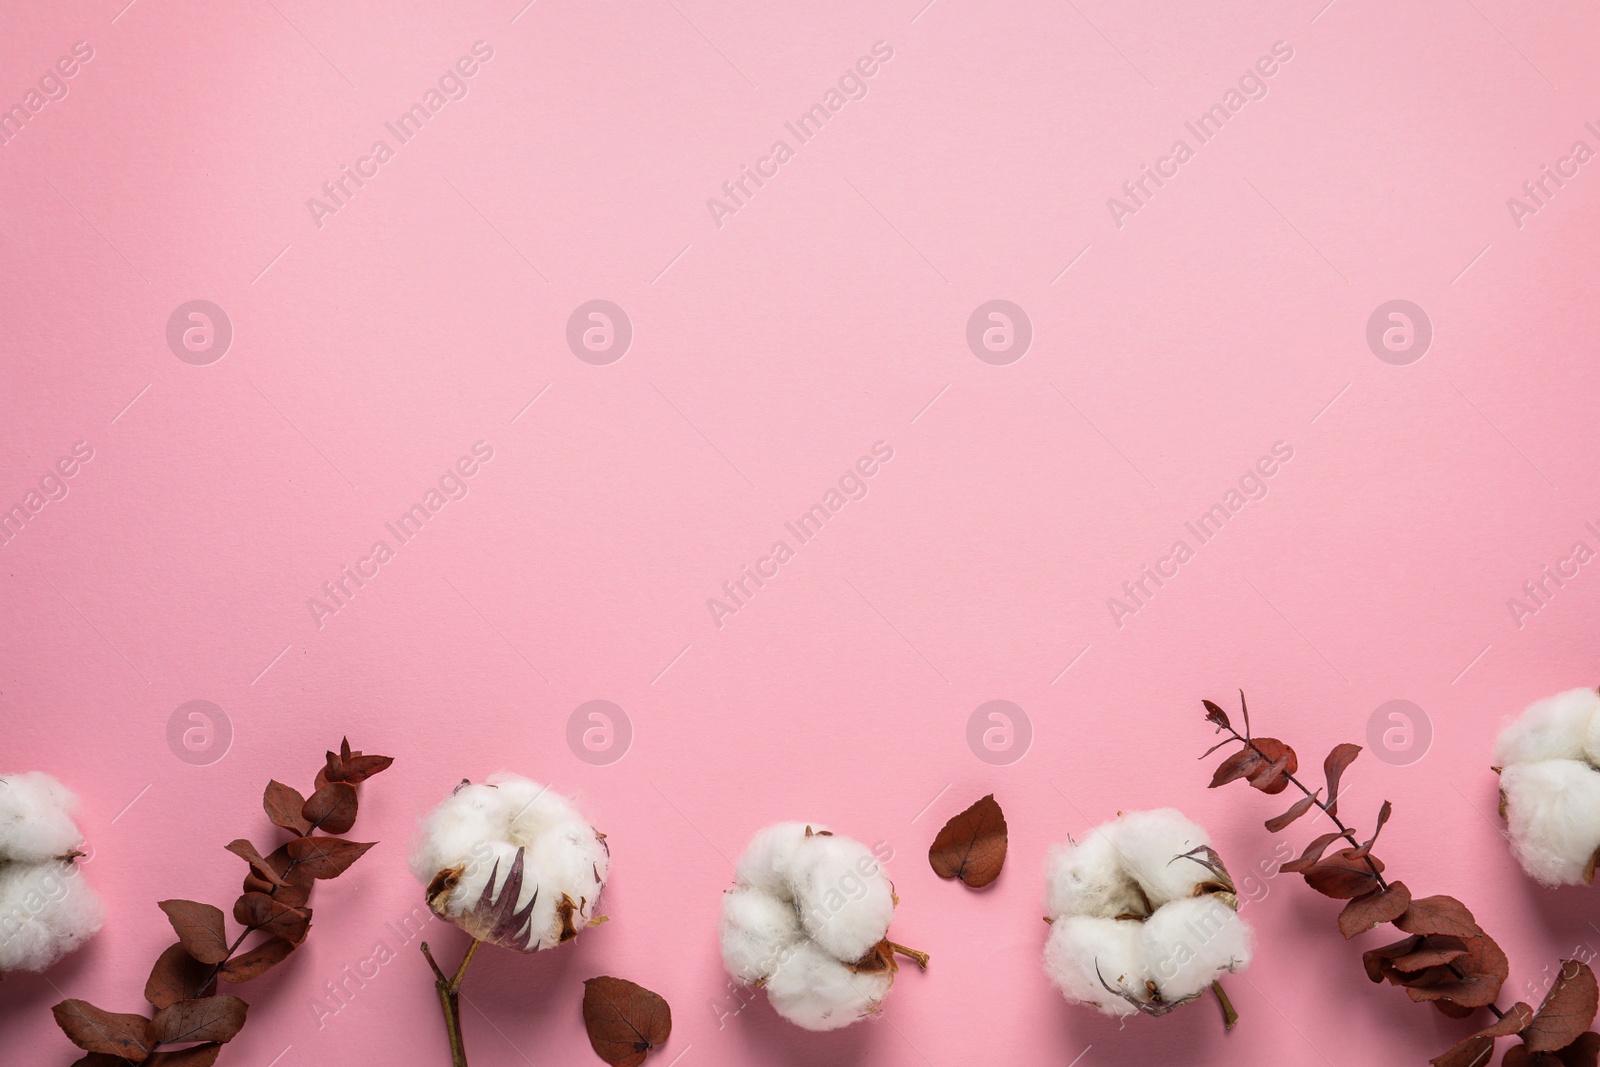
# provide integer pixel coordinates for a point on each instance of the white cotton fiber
(475, 835)
(1553, 809)
(1188, 943)
(36, 819)
(806, 920)
(46, 911)
(1129, 908)
(1084, 949)
(1556, 727)
(1153, 845)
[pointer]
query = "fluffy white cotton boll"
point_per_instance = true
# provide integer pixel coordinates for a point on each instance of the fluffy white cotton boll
(1082, 950)
(46, 911)
(757, 928)
(845, 900)
(1556, 727)
(1150, 844)
(1088, 878)
(1553, 809)
(771, 853)
(472, 840)
(1188, 944)
(36, 818)
(814, 990)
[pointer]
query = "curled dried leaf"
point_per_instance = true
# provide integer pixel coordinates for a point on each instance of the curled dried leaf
(283, 804)
(1345, 875)
(972, 845)
(258, 863)
(177, 976)
(1297, 809)
(1333, 768)
(624, 1020)
(260, 912)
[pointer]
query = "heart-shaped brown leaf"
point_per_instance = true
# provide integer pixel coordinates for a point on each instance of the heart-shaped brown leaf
(283, 804)
(177, 976)
(625, 1020)
(247, 852)
(326, 857)
(1379, 906)
(260, 912)
(332, 809)
(1297, 809)
(1477, 1050)
(1343, 876)
(258, 960)
(207, 1019)
(96, 1030)
(1333, 769)
(199, 927)
(972, 845)
(1567, 1010)
(1438, 915)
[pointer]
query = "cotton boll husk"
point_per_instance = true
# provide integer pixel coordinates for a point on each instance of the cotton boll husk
(1150, 844)
(769, 856)
(1187, 944)
(1079, 944)
(1553, 809)
(815, 991)
(1087, 878)
(756, 930)
(1556, 727)
(46, 911)
(845, 900)
(36, 818)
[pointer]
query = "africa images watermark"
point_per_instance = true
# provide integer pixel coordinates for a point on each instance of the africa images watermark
(451, 85)
(1252, 485)
(1538, 192)
(852, 85)
(852, 485)
(50, 88)
(1537, 592)
(52, 486)
(1252, 85)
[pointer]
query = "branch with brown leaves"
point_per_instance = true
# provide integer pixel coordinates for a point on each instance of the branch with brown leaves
(1445, 959)
(192, 1020)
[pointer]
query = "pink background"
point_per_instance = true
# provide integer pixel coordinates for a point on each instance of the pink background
(769, 354)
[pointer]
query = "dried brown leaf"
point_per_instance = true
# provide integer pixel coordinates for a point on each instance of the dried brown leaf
(332, 808)
(1313, 852)
(1344, 876)
(177, 976)
(1477, 1050)
(1297, 809)
(1380, 906)
(972, 845)
(1485, 968)
(283, 804)
(207, 1019)
(96, 1030)
(260, 912)
(258, 863)
(1333, 769)
(1215, 714)
(325, 857)
(624, 1020)
(199, 927)
(1439, 915)
(1266, 762)
(258, 960)
(1567, 1010)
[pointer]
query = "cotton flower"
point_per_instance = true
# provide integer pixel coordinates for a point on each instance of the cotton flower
(46, 907)
(511, 862)
(1143, 915)
(1549, 763)
(808, 920)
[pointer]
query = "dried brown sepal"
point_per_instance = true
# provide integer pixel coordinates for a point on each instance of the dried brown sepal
(1566, 1011)
(207, 1019)
(494, 917)
(566, 909)
(1477, 1050)
(878, 960)
(199, 928)
(972, 845)
(1345, 875)
(624, 1020)
(1297, 809)
(1333, 768)
(331, 809)
(325, 857)
(258, 863)
(1379, 906)
(110, 1033)
(282, 804)
(260, 912)
(258, 960)
(177, 976)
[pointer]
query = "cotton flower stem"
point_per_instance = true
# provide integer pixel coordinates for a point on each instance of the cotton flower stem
(921, 958)
(450, 1000)
(1229, 1016)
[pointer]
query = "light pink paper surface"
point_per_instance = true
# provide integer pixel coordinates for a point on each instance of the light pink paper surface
(775, 341)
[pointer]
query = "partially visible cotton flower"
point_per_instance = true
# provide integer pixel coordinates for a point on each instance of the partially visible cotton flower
(511, 862)
(808, 920)
(1143, 915)
(46, 908)
(1549, 763)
